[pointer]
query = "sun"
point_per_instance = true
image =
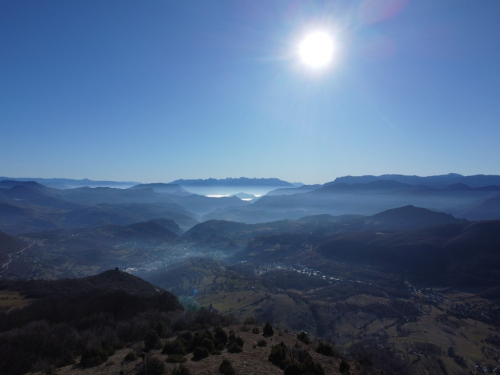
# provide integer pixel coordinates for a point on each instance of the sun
(316, 49)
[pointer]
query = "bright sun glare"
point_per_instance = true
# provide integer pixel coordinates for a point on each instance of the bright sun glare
(316, 49)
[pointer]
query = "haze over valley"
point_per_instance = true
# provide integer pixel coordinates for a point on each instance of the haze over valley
(351, 256)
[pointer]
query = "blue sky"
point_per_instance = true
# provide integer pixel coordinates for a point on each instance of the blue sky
(160, 90)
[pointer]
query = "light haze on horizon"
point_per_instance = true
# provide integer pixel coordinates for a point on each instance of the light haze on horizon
(163, 90)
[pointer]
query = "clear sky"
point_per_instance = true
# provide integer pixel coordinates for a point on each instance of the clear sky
(154, 91)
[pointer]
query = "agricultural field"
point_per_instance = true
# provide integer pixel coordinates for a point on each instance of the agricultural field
(10, 300)
(432, 330)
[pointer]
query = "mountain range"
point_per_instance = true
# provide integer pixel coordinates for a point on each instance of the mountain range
(68, 183)
(432, 181)
(230, 186)
(241, 181)
(402, 275)
(30, 206)
(365, 199)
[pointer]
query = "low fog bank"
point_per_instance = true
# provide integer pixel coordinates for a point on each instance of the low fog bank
(229, 190)
(362, 199)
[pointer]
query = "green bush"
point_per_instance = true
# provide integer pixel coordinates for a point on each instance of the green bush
(231, 337)
(66, 359)
(235, 339)
(234, 348)
(181, 370)
(293, 368)
(278, 355)
(239, 341)
(161, 329)
(152, 340)
(268, 330)
(299, 361)
(251, 320)
(185, 343)
(325, 349)
(154, 366)
(344, 368)
(93, 357)
(235, 343)
(226, 368)
(186, 335)
(302, 336)
(174, 347)
(208, 344)
(255, 331)
(299, 354)
(176, 358)
(262, 343)
(131, 356)
(220, 336)
(198, 338)
(200, 353)
(109, 349)
(312, 368)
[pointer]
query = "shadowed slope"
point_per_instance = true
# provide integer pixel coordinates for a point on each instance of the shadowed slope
(463, 254)
(9, 244)
(410, 217)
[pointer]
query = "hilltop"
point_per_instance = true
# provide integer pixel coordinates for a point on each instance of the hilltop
(410, 217)
(114, 322)
(105, 282)
(58, 320)
(253, 358)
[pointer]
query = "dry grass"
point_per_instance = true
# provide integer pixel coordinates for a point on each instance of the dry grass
(10, 300)
(252, 361)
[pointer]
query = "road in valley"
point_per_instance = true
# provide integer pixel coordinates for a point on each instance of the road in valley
(5, 266)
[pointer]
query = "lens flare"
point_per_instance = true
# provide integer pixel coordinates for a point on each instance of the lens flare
(316, 49)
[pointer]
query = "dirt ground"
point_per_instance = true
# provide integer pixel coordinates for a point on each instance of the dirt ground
(252, 361)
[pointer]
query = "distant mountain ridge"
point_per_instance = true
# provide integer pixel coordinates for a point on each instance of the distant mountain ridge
(366, 198)
(27, 206)
(294, 190)
(229, 186)
(241, 181)
(487, 210)
(9, 184)
(162, 188)
(68, 183)
(479, 180)
(35, 194)
(433, 181)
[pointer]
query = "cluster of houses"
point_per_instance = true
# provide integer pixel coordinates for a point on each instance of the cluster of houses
(304, 271)
(487, 369)
(471, 310)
